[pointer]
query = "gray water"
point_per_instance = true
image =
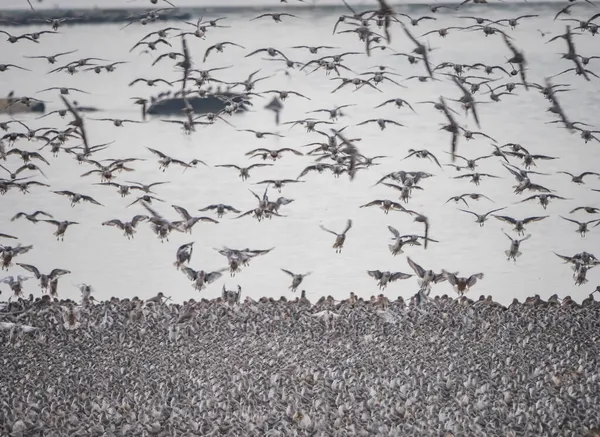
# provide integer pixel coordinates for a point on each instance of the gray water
(102, 257)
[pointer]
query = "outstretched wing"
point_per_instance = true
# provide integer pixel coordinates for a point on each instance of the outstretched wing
(375, 274)
(420, 271)
(288, 272)
(114, 222)
(327, 230)
(473, 279)
(399, 275)
(31, 269)
(348, 226)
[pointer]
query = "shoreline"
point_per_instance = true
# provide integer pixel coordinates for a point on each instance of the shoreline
(25, 17)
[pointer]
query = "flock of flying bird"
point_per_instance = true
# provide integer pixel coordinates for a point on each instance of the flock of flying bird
(335, 149)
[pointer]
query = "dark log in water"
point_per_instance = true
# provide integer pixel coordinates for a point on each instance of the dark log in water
(83, 16)
(201, 105)
(12, 106)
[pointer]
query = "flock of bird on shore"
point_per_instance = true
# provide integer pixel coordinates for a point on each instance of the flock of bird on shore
(274, 368)
(336, 151)
(237, 366)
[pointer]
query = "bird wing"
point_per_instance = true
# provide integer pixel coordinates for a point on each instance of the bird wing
(505, 218)
(114, 222)
(394, 231)
(473, 279)
(348, 226)
(375, 274)
(327, 230)
(213, 276)
(55, 273)
(450, 277)
(420, 271)
(91, 200)
(288, 272)
(534, 219)
(182, 212)
(190, 273)
(400, 275)
(31, 269)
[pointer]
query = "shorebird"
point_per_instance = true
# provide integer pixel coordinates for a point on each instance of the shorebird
(578, 179)
(61, 227)
(184, 254)
(514, 252)
(188, 220)
(519, 225)
(460, 284)
(384, 278)
(219, 48)
(381, 122)
(386, 205)
(476, 177)
(275, 16)
(296, 278)
(7, 253)
(51, 58)
(588, 209)
(117, 122)
(481, 218)
(31, 217)
(76, 197)
(200, 278)
(15, 283)
(544, 199)
(339, 238)
(271, 154)
(582, 227)
(279, 183)
(128, 227)
(220, 209)
(45, 280)
(244, 171)
(426, 277)
(474, 196)
(423, 154)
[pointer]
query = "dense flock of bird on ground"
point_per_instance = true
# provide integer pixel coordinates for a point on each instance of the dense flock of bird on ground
(238, 366)
(232, 367)
(335, 149)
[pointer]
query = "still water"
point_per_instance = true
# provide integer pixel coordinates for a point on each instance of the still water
(115, 266)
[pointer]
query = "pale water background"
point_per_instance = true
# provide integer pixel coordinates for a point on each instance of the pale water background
(115, 266)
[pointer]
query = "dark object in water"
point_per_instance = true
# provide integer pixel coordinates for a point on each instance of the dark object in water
(276, 106)
(28, 17)
(7, 106)
(201, 105)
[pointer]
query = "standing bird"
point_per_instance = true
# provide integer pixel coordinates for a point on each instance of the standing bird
(296, 279)
(339, 238)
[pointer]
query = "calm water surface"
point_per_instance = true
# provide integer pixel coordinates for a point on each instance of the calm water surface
(101, 256)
